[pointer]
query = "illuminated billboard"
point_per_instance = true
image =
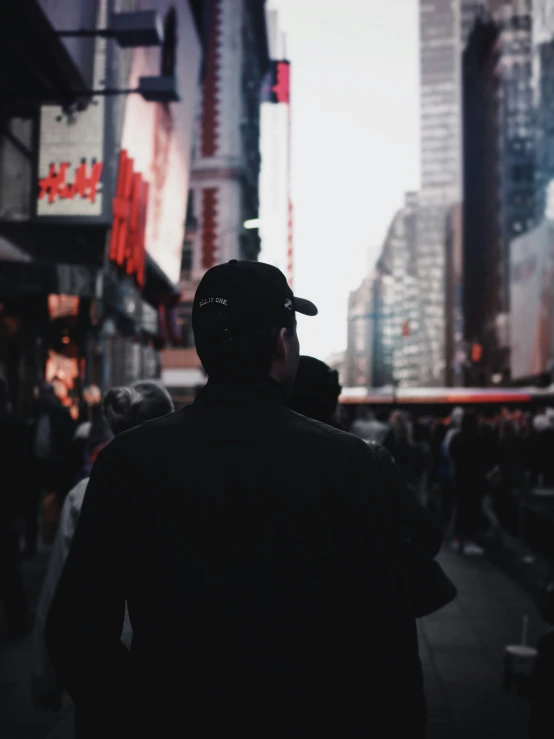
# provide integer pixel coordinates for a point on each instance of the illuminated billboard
(532, 302)
(157, 137)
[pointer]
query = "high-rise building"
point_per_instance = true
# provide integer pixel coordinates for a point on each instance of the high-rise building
(440, 164)
(482, 231)
(401, 350)
(543, 79)
(275, 198)
(224, 191)
(499, 178)
(226, 159)
(444, 29)
(359, 351)
(532, 254)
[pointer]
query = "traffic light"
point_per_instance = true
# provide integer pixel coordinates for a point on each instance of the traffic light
(476, 353)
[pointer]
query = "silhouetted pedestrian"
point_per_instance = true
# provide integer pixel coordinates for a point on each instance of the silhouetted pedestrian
(260, 557)
(470, 457)
(12, 593)
(124, 408)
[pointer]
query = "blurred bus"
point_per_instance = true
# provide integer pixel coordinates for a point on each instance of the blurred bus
(439, 402)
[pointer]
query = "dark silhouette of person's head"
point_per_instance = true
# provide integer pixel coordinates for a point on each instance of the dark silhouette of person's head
(128, 406)
(316, 390)
(470, 423)
(244, 323)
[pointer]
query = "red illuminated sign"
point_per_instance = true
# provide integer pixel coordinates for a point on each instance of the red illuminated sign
(85, 184)
(127, 246)
(282, 86)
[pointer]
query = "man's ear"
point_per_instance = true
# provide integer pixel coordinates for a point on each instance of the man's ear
(281, 348)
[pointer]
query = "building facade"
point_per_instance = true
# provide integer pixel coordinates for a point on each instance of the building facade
(444, 31)
(532, 254)
(226, 159)
(89, 258)
(402, 345)
(224, 190)
(499, 180)
(360, 337)
(440, 48)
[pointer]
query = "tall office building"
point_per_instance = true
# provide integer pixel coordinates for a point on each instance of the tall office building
(440, 51)
(444, 29)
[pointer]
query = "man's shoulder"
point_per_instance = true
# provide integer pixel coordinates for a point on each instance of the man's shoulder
(324, 432)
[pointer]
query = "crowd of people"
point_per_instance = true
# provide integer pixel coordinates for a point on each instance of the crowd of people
(469, 471)
(244, 565)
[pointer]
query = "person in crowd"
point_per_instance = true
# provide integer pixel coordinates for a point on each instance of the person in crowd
(316, 391)
(12, 593)
(424, 454)
(49, 435)
(470, 468)
(442, 476)
(258, 553)
(124, 408)
(91, 417)
(540, 458)
(399, 443)
(368, 427)
(511, 474)
(316, 396)
(456, 418)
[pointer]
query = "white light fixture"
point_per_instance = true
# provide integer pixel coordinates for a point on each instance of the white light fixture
(137, 28)
(252, 224)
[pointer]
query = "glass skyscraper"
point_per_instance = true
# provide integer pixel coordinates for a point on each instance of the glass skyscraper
(444, 28)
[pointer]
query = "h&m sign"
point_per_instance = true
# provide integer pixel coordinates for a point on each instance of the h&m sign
(127, 244)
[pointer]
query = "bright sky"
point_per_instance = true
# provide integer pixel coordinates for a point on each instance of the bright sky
(355, 144)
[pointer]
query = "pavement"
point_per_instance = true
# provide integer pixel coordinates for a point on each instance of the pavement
(462, 648)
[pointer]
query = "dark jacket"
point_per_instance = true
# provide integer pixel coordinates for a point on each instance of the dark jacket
(263, 565)
(12, 467)
(418, 526)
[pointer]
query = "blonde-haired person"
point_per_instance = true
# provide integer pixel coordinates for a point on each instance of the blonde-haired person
(125, 407)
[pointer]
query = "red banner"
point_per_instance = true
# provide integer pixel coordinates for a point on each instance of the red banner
(127, 246)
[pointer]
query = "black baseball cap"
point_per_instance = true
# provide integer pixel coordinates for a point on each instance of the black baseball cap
(241, 296)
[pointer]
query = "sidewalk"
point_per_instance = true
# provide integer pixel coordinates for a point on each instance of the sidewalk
(18, 719)
(462, 648)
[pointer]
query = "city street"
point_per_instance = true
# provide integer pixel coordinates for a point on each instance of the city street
(461, 647)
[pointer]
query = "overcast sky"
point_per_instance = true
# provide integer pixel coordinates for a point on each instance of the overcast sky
(355, 139)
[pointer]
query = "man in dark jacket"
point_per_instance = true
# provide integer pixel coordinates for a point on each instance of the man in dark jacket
(263, 570)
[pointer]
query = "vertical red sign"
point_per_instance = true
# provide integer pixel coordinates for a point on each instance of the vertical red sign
(127, 245)
(282, 85)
